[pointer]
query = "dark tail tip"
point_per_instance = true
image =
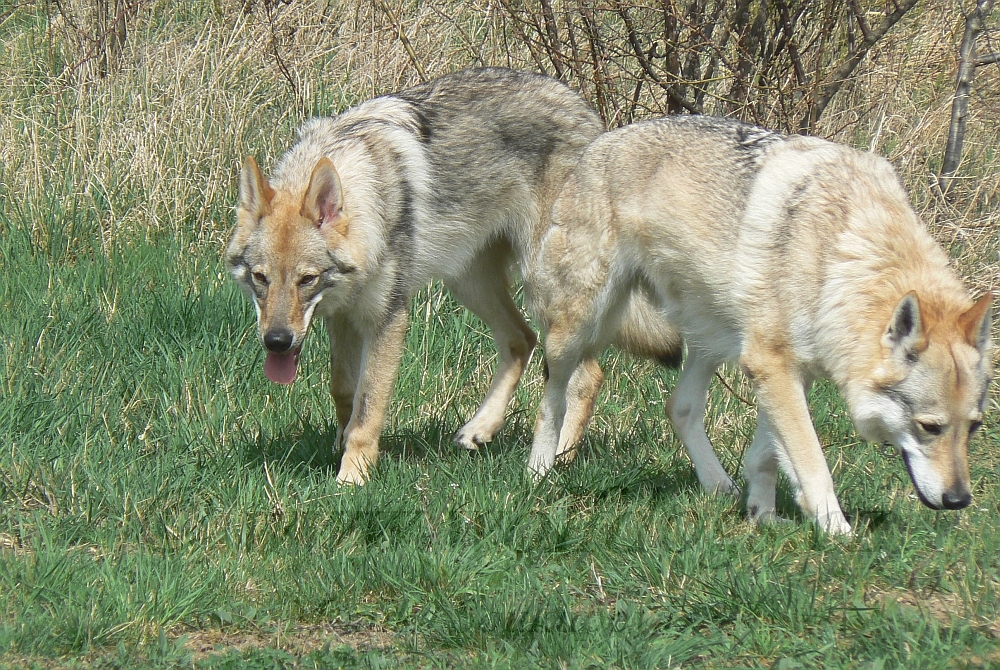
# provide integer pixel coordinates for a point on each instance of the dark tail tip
(671, 359)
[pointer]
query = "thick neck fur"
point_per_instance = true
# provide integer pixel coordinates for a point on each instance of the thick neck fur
(365, 145)
(882, 253)
(357, 175)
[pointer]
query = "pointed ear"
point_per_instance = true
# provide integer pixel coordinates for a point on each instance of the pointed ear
(255, 192)
(975, 323)
(905, 333)
(324, 199)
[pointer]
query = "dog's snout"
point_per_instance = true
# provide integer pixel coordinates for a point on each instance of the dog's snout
(956, 498)
(278, 340)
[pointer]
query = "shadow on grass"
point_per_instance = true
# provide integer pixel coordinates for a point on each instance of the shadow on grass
(303, 444)
(607, 467)
(311, 445)
(872, 519)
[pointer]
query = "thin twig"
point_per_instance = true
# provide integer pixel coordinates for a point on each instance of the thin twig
(404, 40)
(91, 53)
(555, 44)
(859, 16)
(855, 57)
(600, 67)
(98, 42)
(513, 16)
(10, 11)
(732, 390)
(963, 86)
(647, 68)
(476, 52)
(793, 51)
(285, 72)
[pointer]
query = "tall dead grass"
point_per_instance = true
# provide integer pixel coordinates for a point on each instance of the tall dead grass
(155, 145)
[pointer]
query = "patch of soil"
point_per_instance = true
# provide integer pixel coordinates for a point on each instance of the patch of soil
(942, 607)
(298, 640)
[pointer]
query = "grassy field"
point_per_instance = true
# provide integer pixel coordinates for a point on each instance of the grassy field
(163, 504)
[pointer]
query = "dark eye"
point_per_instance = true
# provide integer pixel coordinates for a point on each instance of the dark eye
(976, 425)
(930, 428)
(308, 280)
(260, 278)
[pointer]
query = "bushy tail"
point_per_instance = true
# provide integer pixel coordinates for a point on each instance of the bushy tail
(645, 331)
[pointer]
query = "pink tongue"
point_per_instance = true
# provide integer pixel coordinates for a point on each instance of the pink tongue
(280, 368)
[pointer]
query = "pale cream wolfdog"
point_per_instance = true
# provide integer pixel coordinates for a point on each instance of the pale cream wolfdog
(795, 256)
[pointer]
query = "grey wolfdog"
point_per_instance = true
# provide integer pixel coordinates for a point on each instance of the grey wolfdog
(797, 257)
(449, 180)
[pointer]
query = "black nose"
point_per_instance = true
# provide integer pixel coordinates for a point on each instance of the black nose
(956, 499)
(278, 340)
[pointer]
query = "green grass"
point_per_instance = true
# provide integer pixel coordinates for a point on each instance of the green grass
(163, 504)
(155, 486)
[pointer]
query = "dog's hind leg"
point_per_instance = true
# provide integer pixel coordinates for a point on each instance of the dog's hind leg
(760, 469)
(686, 409)
(484, 289)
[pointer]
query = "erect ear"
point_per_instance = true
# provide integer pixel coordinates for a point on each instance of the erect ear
(905, 333)
(975, 323)
(255, 192)
(324, 200)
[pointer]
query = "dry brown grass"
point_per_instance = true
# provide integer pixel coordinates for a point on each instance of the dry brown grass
(199, 88)
(299, 640)
(155, 146)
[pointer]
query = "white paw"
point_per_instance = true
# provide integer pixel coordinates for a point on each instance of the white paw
(476, 433)
(567, 456)
(722, 486)
(470, 440)
(835, 524)
(538, 468)
(351, 475)
(764, 517)
(719, 483)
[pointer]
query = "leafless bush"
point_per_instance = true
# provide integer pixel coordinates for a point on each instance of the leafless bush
(777, 62)
(968, 62)
(197, 87)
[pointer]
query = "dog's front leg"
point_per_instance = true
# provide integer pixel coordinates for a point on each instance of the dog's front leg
(781, 396)
(581, 396)
(561, 361)
(345, 366)
(380, 356)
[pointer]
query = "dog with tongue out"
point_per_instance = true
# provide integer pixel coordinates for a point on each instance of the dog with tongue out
(282, 360)
(448, 180)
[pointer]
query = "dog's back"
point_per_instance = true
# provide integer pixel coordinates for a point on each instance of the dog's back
(500, 144)
(722, 219)
(475, 155)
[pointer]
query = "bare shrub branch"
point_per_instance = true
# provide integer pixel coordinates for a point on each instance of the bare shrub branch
(967, 63)
(761, 60)
(852, 60)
